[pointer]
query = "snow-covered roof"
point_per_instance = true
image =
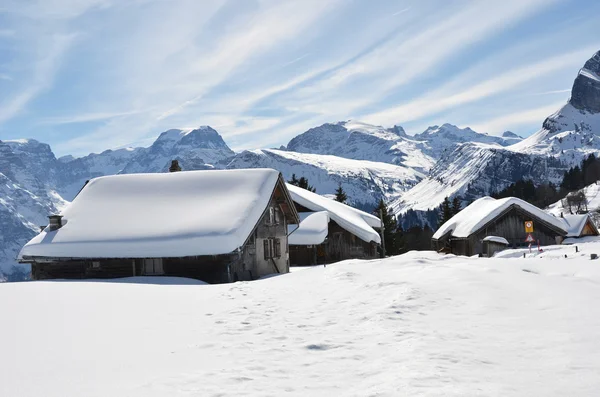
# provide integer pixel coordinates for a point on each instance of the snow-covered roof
(312, 229)
(159, 215)
(574, 223)
(496, 239)
(355, 221)
(485, 209)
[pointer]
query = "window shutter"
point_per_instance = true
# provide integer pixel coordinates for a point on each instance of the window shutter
(278, 248)
(266, 248)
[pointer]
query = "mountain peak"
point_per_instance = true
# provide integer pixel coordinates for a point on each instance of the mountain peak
(510, 134)
(585, 94)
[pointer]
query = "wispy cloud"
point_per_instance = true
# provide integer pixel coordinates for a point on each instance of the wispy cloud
(45, 68)
(552, 92)
(87, 117)
(448, 96)
(263, 71)
(512, 120)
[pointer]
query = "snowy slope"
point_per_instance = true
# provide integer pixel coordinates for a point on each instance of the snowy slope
(415, 325)
(365, 182)
(475, 170)
(592, 194)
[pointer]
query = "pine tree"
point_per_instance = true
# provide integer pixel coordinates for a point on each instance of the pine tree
(340, 194)
(390, 228)
(294, 180)
(456, 205)
(302, 182)
(445, 211)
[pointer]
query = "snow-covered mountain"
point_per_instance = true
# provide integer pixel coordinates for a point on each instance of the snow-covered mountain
(473, 169)
(196, 149)
(356, 140)
(365, 182)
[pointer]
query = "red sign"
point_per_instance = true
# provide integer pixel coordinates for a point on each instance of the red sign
(529, 239)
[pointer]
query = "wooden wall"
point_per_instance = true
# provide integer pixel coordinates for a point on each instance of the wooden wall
(340, 245)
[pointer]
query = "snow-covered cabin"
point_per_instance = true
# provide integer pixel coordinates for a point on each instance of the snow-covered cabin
(215, 226)
(463, 234)
(579, 225)
(330, 231)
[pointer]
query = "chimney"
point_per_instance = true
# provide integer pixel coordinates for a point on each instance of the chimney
(561, 215)
(174, 166)
(55, 222)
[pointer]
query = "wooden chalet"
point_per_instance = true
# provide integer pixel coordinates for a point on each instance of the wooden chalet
(579, 225)
(464, 233)
(330, 231)
(217, 226)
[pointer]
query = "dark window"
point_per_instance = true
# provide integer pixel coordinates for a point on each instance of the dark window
(267, 249)
(277, 248)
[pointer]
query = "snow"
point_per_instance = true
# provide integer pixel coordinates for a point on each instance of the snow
(312, 229)
(496, 239)
(485, 209)
(160, 215)
(589, 74)
(420, 324)
(351, 219)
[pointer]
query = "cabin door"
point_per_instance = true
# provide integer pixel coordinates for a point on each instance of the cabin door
(153, 267)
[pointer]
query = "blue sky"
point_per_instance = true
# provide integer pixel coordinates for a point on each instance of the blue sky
(87, 75)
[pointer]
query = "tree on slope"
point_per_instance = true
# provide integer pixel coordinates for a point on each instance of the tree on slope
(456, 205)
(340, 194)
(445, 211)
(302, 182)
(390, 228)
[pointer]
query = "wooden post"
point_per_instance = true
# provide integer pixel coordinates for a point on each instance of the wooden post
(382, 233)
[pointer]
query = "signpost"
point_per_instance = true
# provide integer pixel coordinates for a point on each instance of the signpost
(528, 226)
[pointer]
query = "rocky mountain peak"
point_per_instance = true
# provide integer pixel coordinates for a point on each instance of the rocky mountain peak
(585, 94)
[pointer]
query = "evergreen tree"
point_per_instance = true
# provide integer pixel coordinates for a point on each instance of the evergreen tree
(390, 228)
(294, 180)
(456, 205)
(340, 194)
(445, 211)
(302, 182)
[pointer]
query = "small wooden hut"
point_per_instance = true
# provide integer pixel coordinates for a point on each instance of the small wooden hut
(350, 233)
(579, 225)
(493, 244)
(463, 234)
(215, 226)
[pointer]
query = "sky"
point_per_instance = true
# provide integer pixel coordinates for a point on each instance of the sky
(88, 75)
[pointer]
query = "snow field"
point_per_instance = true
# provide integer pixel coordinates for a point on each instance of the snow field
(418, 324)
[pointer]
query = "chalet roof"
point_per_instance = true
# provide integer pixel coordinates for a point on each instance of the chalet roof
(574, 223)
(484, 210)
(160, 215)
(312, 229)
(355, 221)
